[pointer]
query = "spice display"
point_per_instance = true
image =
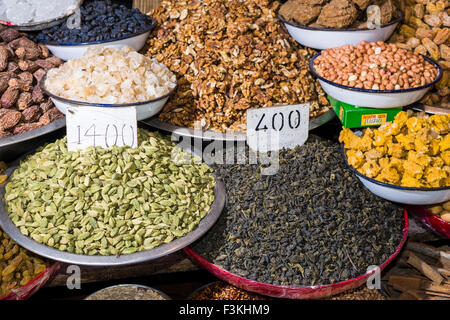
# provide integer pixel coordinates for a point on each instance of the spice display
(421, 273)
(111, 76)
(99, 20)
(223, 291)
(411, 151)
(17, 266)
(426, 31)
(29, 11)
(375, 66)
(442, 210)
(109, 201)
(23, 106)
(336, 13)
(127, 292)
(230, 56)
(311, 223)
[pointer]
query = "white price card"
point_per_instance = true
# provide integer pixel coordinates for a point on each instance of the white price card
(275, 128)
(101, 127)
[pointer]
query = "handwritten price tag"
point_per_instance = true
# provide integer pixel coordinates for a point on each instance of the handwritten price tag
(101, 127)
(275, 128)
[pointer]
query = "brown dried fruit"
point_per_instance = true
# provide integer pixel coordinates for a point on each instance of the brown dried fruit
(9, 98)
(27, 127)
(24, 53)
(442, 36)
(19, 84)
(24, 101)
(445, 52)
(46, 105)
(31, 114)
(45, 53)
(13, 67)
(10, 119)
(39, 74)
(37, 94)
(9, 34)
(432, 20)
(4, 55)
(27, 77)
(3, 84)
(50, 115)
(28, 65)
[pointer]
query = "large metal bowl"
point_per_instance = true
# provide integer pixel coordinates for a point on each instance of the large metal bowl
(276, 291)
(205, 224)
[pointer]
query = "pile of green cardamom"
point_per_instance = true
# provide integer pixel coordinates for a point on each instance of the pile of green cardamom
(110, 201)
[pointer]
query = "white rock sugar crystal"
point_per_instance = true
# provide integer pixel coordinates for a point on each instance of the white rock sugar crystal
(28, 11)
(111, 76)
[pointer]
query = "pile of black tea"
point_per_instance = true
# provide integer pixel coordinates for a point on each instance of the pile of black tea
(312, 223)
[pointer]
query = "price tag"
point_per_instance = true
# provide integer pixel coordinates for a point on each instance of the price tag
(101, 127)
(275, 128)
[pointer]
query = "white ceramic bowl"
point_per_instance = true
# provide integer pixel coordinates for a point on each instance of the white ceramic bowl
(325, 38)
(380, 99)
(144, 110)
(404, 195)
(70, 51)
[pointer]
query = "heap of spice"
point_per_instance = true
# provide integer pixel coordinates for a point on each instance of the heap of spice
(23, 63)
(426, 31)
(362, 293)
(126, 292)
(109, 201)
(17, 266)
(411, 151)
(223, 291)
(375, 66)
(442, 210)
(337, 13)
(230, 56)
(311, 223)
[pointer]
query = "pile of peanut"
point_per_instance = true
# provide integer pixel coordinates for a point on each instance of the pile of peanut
(23, 63)
(426, 31)
(442, 210)
(375, 66)
(230, 56)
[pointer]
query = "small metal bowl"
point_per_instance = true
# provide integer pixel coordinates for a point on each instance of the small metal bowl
(381, 99)
(144, 109)
(162, 294)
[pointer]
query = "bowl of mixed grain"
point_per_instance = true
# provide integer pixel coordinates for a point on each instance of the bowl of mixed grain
(128, 292)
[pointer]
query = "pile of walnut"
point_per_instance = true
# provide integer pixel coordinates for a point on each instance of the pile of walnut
(337, 13)
(23, 63)
(411, 151)
(426, 31)
(229, 56)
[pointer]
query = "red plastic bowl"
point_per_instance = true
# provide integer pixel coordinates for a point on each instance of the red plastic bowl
(33, 286)
(314, 292)
(433, 222)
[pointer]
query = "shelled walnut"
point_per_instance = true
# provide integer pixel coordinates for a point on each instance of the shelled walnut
(426, 30)
(23, 106)
(230, 56)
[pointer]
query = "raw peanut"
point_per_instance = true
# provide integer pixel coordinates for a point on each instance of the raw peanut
(31, 114)
(436, 210)
(28, 65)
(9, 34)
(446, 216)
(24, 101)
(10, 120)
(446, 206)
(4, 55)
(9, 98)
(441, 36)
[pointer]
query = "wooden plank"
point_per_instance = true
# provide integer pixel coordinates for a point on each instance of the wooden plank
(176, 262)
(146, 5)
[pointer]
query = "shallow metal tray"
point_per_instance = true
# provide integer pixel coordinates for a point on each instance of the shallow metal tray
(220, 136)
(19, 144)
(205, 224)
